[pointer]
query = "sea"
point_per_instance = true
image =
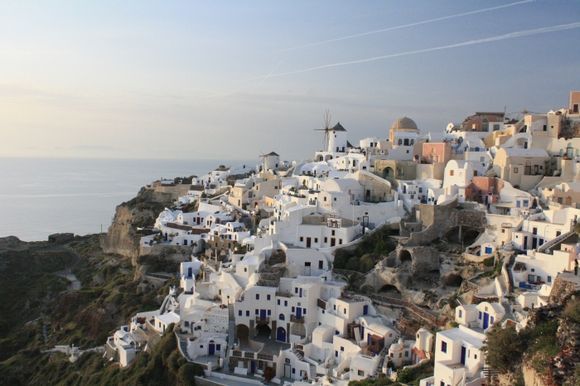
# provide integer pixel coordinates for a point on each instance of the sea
(42, 196)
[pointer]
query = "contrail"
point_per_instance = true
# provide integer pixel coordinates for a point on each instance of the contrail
(511, 35)
(402, 26)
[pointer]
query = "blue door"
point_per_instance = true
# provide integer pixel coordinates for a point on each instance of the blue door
(298, 312)
(281, 334)
(263, 314)
(189, 272)
(462, 355)
(485, 320)
(365, 309)
(211, 350)
(253, 367)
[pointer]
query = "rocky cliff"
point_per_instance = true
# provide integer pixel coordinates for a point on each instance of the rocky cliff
(122, 237)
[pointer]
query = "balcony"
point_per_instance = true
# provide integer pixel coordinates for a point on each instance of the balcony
(296, 319)
(262, 320)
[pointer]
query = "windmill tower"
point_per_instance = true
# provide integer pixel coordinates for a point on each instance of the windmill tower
(327, 129)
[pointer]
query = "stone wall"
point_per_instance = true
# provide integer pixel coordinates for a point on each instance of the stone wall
(566, 284)
(438, 220)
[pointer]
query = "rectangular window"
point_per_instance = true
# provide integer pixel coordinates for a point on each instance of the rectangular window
(257, 296)
(443, 346)
(267, 297)
(248, 313)
(240, 313)
(278, 301)
(320, 264)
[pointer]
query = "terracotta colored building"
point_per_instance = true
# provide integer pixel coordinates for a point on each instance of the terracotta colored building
(484, 190)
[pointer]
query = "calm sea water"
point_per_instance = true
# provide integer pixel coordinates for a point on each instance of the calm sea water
(43, 196)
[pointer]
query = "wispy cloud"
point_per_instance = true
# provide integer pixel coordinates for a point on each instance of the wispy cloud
(403, 26)
(511, 35)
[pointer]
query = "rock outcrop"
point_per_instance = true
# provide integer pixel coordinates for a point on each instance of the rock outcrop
(122, 237)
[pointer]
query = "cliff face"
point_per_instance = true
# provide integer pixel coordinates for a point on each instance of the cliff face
(122, 237)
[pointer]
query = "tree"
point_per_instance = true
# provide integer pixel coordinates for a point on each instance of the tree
(187, 372)
(504, 348)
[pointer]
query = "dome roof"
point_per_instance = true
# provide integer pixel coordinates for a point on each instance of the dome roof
(404, 123)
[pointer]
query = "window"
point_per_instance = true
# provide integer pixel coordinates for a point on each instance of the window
(301, 239)
(257, 311)
(278, 301)
(460, 313)
(479, 315)
(257, 296)
(451, 172)
(443, 346)
(248, 313)
(316, 239)
(267, 297)
(320, 264)
(361, 373)
(516, 170)
(336, 353)
(285, 303)
(281, 316)
(240, 313)
(341, 348)
(549, 279)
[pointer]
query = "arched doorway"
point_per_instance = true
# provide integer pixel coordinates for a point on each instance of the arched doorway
(388, 172)
(281, 334)
(242, 332)
(263, 331)
(405, 256)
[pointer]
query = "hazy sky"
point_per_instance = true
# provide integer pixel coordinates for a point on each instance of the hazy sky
(230, 80)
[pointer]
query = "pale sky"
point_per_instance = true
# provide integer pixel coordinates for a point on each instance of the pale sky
(231, 80)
